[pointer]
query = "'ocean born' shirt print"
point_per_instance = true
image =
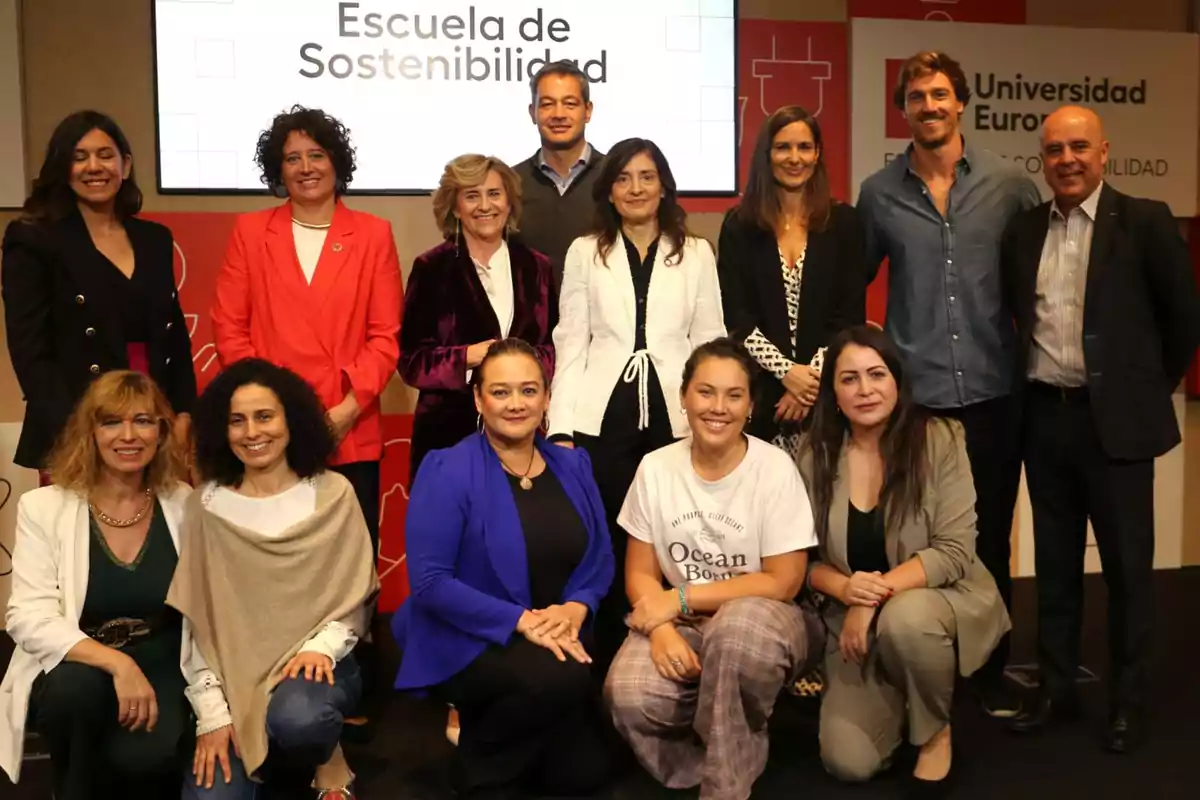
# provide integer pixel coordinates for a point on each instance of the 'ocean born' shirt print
(699, 546)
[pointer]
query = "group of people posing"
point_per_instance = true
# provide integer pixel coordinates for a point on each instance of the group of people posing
(653, 483)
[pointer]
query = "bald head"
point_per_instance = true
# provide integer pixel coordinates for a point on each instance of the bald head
(1074, 153)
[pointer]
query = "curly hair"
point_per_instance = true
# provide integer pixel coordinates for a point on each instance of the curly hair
(672, 219)
(310, 442)
(52, 197)
(468, 171)
(75, 461)
(328, 132)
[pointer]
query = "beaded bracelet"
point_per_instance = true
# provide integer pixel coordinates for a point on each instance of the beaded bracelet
(683, 606)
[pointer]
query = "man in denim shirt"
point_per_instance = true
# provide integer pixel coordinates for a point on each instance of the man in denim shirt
(938, 212)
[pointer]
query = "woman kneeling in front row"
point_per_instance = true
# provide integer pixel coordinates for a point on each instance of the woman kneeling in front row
(97, 669)
(725, 519)
(895, 511)
(508, 557)
(276, 577)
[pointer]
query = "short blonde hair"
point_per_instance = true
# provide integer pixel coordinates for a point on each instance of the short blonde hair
(75, 462)
(468, 171)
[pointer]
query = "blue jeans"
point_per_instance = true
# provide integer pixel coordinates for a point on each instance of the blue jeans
(304, 724)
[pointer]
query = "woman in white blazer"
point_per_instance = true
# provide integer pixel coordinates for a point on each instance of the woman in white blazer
(98, 665)
(638, 295)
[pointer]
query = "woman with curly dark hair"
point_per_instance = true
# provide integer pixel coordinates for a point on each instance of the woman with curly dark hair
(88, 286)
(277, 588)
(315, 287)
(618, 367)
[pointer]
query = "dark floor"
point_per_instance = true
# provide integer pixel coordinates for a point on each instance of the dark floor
(410, 757)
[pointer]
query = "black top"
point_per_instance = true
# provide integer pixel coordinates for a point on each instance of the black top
(833, 294)
(555, 536)
(641, 270)
(135, 296)
(865, 549)
(65, 310)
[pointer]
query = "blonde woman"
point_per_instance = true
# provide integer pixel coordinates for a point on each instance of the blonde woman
(476, 287)
(97, 669)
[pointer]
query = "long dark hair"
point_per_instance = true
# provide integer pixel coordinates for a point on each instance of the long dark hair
(905, 461)
(760, 203)
(52, 197)
(672, 219)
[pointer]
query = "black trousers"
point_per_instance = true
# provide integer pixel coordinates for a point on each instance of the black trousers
(364, 476)
(1071, 480)
(615, 455)
(995, 456)
(74, 707)
(531, 725)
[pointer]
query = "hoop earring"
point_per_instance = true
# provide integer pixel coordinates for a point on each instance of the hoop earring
(479, 423)
(457, 232)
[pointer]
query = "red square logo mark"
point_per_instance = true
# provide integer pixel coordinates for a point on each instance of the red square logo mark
(896, 126)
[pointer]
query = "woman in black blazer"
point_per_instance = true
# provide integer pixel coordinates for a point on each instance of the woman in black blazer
(792, 270)
(88, 287)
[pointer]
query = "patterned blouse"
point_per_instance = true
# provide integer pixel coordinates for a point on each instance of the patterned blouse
(765, 353)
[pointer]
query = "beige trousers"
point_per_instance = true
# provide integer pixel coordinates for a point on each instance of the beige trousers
(908, 679)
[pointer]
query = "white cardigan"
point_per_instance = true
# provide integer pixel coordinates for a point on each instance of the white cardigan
(595, 334)
(50, 567)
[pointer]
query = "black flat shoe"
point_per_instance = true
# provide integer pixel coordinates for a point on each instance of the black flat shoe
(1125, 733)
(921, 789)
(1044, 714)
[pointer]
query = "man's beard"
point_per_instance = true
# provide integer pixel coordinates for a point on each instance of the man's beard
(934, 143)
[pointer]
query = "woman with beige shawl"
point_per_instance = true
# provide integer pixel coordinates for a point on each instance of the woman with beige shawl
(276, 581)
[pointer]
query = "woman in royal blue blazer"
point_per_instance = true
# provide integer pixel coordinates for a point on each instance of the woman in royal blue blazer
(508, 557)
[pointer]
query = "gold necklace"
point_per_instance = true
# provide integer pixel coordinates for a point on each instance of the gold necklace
(526, 482)
(312, 225)
(121, 523)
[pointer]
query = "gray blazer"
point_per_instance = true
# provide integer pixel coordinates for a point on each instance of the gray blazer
(941, 534)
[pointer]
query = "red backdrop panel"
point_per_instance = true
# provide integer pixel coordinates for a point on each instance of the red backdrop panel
(784, 63)
(200, 241)
(1010, 11)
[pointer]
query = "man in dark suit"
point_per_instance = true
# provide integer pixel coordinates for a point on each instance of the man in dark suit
(1108, 319)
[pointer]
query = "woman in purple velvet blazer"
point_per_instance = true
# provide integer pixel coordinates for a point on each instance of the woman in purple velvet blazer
(478, 286)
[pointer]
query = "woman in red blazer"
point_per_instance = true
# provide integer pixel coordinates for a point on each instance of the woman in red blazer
(315, 287)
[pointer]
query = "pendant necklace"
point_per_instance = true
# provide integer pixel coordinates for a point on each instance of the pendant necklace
(526, 482)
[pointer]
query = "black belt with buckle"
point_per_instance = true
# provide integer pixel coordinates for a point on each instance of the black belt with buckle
(119, 632)
(1067, 395)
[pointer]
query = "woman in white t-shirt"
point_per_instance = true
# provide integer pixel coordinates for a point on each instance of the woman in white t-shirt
(725, 519)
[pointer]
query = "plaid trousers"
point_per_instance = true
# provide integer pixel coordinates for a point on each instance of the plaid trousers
(713, 732)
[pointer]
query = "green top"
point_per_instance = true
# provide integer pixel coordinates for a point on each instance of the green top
(139, 590)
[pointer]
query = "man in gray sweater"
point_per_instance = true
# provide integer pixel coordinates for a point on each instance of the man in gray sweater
(557, 180)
